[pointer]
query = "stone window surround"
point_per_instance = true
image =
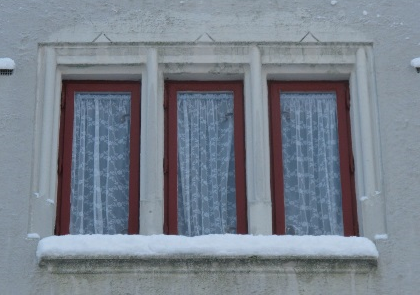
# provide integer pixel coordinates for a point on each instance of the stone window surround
(254, 63)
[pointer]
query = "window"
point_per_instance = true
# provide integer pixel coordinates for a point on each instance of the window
(98, 174)
(205, 158)
(312, 164)
(247, 61)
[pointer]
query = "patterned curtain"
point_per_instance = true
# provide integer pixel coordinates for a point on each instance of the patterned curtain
(311, 164)
(100, 164)
(206, 164)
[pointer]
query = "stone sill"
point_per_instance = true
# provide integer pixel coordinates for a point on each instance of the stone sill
(211, 253)
(201, 264)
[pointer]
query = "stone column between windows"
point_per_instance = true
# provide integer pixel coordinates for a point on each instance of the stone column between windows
(257, 150)
(151, 179)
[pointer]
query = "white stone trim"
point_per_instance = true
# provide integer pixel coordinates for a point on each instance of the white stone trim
(258, 151)
(368, 168)
(44, 176)
(151, 155)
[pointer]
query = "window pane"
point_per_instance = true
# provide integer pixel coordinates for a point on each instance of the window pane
(311, 163)
(100, 163)
(206, 163)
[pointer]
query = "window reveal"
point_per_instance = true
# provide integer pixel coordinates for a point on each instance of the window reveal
(99, 148)
(313, 186)
(205, 181)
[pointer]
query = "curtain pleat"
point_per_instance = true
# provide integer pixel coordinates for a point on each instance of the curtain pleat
(206, 164)
(311, 164)
(100, 164)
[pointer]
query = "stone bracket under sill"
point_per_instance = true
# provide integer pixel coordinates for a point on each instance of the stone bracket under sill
(205, 264)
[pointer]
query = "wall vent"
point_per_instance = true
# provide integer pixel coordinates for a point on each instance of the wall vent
(6, 72)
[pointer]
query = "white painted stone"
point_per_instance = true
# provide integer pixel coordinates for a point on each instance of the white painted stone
(50, 42)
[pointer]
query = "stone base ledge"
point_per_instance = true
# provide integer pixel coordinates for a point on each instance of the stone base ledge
(200, 264)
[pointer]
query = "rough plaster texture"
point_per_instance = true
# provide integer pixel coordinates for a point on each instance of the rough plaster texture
(393, 28)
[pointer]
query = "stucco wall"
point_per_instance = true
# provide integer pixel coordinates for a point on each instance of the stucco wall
(392, 27)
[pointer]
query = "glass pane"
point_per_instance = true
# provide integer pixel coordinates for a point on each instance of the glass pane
(100, 163)
(311, 164)
(206, 163)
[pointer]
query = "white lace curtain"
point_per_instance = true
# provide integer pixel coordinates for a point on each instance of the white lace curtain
(206, 164)
(100, 164)
(311, 164)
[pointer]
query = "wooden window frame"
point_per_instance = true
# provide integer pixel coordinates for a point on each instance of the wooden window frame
(341, 89)
(62, 225)
(171, 149)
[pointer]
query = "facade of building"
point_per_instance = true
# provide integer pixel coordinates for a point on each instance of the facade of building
(359, 51)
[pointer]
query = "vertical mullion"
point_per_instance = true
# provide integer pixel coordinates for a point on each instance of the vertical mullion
(134, 171)
(166, 160)
(57, 229)
(239, 145)
(347, 190)
(172, 152)
(67, 159)
(277, 161)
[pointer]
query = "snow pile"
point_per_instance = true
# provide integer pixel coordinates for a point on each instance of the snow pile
(381, 237)
(33, 236)
(7, 63)
(79, 246)
(415, 62)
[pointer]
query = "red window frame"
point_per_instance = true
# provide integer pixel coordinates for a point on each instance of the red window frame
(65, 148)
(171, 149)
(345, 149)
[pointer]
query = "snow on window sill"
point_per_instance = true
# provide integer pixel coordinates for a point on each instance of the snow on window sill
(219, 253)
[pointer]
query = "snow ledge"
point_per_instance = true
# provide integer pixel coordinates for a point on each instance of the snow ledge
(415, 62)
(7, 63)
(220, 253)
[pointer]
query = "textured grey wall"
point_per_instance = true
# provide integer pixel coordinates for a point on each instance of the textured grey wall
(394, 28)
